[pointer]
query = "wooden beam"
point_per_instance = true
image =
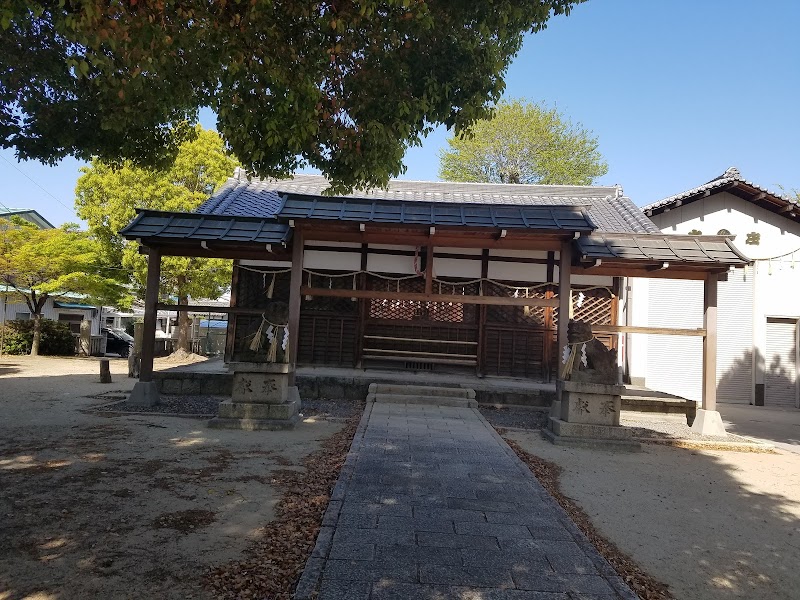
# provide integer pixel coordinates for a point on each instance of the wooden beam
(641, 271)
(564, 296)
(461, 238)
(295, 297)
(251, 252)
(709, 400)
(205, 308)
(647, 330)
(456, 298)
(150, 315)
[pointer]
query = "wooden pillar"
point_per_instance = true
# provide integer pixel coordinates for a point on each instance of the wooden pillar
(564, 295)
(295, 299)
(230, 332)
(482, 309)
(363, 308)
(710, 342)
(429, 269)
(150, 314)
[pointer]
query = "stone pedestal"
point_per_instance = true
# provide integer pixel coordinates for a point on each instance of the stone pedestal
(708, 422)
(144, 393)
(262, 398)
(588, 415)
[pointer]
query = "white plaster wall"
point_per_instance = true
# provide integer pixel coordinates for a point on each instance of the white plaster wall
(452, 267)
(777, 280)
(637, 302)
(336, 261)
(520, 253)
(265, 263)
(383, 263)
(726, 211)
(588, 279)
(464, 251)
(517, 271)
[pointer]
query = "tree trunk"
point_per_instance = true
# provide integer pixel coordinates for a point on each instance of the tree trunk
(37, 333)
(184, 327)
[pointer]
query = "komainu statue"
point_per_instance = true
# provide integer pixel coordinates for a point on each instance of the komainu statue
(600, 362)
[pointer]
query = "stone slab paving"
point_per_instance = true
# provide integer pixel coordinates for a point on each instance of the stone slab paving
(433, 504)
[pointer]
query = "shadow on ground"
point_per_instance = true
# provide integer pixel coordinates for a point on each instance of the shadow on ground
(710, 524)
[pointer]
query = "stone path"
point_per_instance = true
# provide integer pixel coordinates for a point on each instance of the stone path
(433, 504)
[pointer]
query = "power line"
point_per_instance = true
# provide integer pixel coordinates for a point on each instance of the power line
(36, 183)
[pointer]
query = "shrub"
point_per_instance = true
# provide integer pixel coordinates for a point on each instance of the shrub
(57, 339)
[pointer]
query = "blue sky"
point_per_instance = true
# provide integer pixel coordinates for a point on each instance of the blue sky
(675, 91)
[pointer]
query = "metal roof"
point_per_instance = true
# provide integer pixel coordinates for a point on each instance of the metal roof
(73, 305)
(661, 248)
(29, 214)
(730, 176)
(608, 208)
(371, 210)
(193, 226)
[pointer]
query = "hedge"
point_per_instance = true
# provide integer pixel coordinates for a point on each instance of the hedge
(57, 339)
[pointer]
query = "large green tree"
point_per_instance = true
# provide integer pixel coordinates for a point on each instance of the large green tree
(37, 264)
(342, 85)
(107, 197)
(524, 143)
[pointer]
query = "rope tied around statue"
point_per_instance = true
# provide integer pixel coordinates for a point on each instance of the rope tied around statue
(597, 364)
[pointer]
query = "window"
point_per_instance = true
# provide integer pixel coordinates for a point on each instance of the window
(73, 320)
(23, 316)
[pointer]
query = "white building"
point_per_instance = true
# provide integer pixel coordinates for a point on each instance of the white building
(758, 309)
(67, 309)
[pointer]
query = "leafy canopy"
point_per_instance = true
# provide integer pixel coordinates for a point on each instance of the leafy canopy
(342, 86)
(39, 263)
(107, 197)
(523, 143)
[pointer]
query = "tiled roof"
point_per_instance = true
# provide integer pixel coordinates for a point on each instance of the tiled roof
(661, 248)
(370, 210)
(730, 176)
(608, 208)
(193, 226)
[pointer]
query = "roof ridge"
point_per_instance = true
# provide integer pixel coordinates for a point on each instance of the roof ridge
(730, 175)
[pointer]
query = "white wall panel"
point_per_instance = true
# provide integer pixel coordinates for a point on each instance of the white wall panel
(781, 363)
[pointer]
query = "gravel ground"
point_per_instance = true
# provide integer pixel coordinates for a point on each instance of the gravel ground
(119, 506)
(206, 406)
(673, 429)
(668, 428)
(522, 418)
(337, 409)
(712, 524)
(181, 405)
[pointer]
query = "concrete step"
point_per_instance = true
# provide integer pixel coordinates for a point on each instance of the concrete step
(421, 390)
(430, 400)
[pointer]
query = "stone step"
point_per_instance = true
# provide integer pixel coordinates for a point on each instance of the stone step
(420, 399)
(421, 390)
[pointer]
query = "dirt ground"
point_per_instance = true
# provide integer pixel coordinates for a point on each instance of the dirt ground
(99, 506)
(711, 524)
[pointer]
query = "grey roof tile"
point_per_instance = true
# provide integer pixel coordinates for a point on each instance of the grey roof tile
(661, 248)
(608, 209)
(367, 210)
(194, 226)
(731, 175)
